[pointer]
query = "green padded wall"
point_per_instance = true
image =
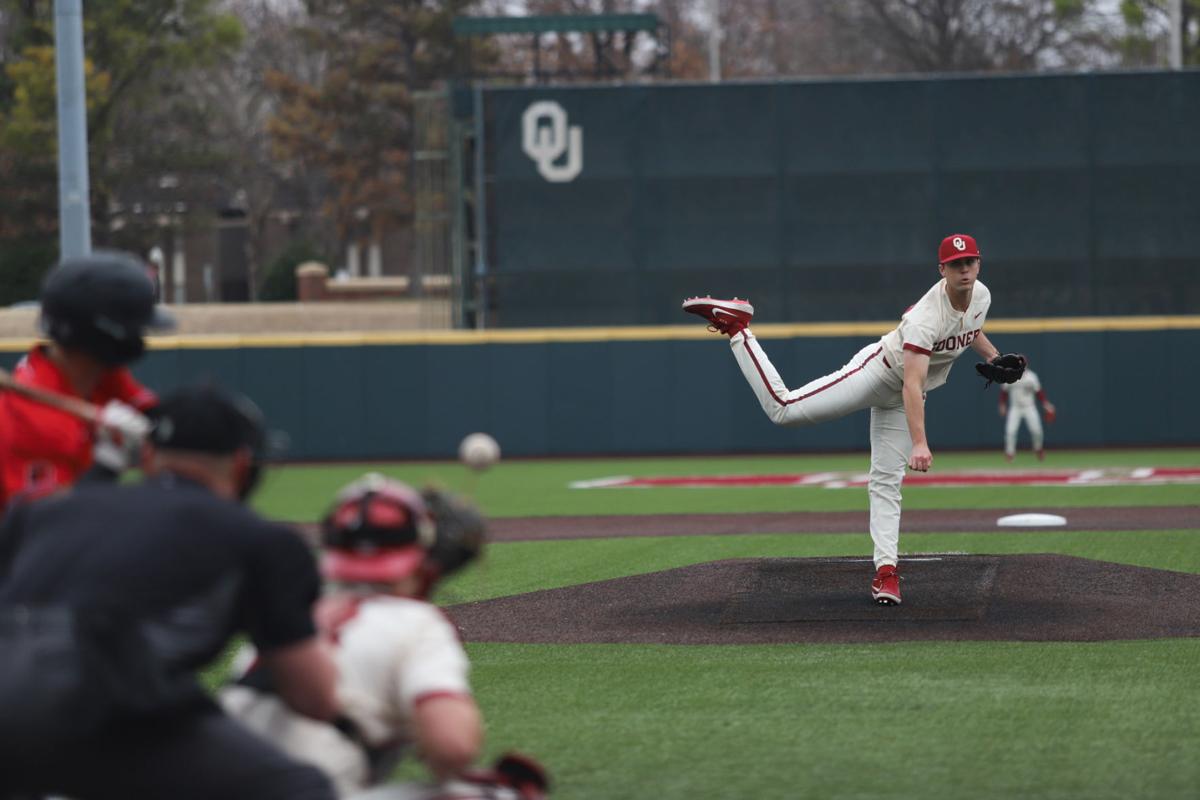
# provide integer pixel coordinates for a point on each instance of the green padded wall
(825, 200)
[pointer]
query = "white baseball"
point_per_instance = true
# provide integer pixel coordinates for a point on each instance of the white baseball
(479, 451)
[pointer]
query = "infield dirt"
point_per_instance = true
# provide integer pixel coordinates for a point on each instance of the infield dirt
(825, 600)
(950, 597)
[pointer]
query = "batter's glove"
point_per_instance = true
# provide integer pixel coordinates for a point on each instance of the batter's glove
(1007, 368)
(120, 431)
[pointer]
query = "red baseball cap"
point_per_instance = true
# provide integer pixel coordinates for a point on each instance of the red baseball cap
(956, 246)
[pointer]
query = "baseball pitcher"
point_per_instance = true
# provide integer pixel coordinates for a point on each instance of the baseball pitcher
(890, 377)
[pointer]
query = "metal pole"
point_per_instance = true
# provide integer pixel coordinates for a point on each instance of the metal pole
(74, 216)
(1176, 17)
(714, 41)
(480, 216)
(458, 257)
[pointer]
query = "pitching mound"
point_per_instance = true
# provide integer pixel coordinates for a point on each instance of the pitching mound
(946, 597)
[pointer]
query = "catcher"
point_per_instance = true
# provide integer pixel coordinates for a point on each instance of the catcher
(1017, 405)
(403, 672)
(889, 376)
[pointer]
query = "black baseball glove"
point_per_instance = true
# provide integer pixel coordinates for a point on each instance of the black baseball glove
(461, 531)
(1007, 368)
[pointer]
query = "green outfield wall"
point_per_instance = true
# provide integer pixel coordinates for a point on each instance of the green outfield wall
(825, 200)
(1116, 381)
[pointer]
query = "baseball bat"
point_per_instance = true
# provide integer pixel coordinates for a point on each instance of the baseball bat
(81, 409)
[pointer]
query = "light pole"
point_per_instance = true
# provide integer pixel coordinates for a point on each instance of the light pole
(1176, 21)
(714, 41)
(74, 214)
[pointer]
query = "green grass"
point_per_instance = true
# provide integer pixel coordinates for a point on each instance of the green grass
(540, 488)
(919, 720)
(970, 720)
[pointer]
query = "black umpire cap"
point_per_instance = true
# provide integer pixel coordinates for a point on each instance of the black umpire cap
(207, 419)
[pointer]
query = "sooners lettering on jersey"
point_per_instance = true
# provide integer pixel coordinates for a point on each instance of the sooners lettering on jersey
(957, 342)
(935, 328)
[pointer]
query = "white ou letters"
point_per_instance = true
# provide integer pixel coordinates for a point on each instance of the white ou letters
(545, 138)
(959, 243)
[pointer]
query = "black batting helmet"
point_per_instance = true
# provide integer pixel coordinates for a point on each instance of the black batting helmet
(101, 304)
(382, 530)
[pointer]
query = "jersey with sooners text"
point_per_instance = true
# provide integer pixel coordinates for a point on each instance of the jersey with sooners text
(936, 329)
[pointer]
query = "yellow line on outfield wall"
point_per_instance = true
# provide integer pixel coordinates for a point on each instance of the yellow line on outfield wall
(631, 333)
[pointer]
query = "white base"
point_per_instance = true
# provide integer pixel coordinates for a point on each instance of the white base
(1031, 521)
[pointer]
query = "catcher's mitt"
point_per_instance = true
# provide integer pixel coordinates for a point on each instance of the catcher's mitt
(461, 531)
(1007, 368)
(514, 776)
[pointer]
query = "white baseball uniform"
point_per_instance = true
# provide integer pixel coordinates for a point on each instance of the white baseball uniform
(1022, 407)
(874, 378)
(393, 654)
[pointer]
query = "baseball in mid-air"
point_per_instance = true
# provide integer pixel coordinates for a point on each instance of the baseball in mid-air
(479, 451)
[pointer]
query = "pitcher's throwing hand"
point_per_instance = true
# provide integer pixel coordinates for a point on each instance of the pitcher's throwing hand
(921, 459)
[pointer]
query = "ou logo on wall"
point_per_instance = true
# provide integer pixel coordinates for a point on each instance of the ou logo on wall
(546, 138)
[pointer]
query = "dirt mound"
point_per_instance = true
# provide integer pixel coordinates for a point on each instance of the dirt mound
(946, 597)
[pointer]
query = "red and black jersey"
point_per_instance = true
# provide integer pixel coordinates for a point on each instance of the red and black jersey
(43, 449)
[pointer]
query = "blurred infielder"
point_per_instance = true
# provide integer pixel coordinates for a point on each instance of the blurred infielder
(1017, 406)
(889, 376)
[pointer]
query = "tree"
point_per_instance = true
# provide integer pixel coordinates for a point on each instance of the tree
(1147, 31)
(138, 54)
(979, 35)
(237, 103)
(351, 125)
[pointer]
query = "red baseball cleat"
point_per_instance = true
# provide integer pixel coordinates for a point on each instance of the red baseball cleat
(723, 316)
(885, 589)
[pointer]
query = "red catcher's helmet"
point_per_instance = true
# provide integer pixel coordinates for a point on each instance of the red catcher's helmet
(379, 531)
(956, 246)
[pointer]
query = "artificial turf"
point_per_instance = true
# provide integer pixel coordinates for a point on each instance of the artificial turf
(920, 721)
(914, 720)
(541, 487)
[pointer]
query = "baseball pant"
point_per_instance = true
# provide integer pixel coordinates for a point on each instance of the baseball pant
(859, 384)
(1012, 424)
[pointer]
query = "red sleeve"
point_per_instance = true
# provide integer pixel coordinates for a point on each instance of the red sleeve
(121, 385)
(41, 448)
(1041, 395)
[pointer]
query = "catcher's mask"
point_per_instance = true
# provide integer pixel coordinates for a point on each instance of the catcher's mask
(378, 531)
(381, 531)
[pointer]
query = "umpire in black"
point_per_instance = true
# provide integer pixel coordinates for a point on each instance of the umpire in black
(113, 596)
